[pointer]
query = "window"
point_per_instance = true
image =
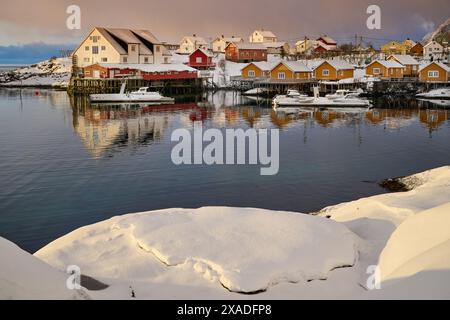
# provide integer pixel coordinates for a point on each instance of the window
(433, 74)
(94, 39)
(133, 48)
(104, 59)
(198, 60)
(94, 50)
(125, 60)
(251, 73)
(86, 59)
(166, 60)
(376, 70)
(281, 75)
(146, 60)
(158, 48)
(392, 72)
(103, 48)
(86, 48)
(325, 72)
(219, 48)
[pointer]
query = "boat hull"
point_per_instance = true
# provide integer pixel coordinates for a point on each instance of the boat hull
(109, 98)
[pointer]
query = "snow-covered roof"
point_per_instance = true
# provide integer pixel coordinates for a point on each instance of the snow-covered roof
(433, 43)
(404, 59)
(249, 45)
(266, 33)
(230, 39)
(388, 63)
(149, 67)
(195, 39)
(439, 64)
(328, 40)
(263, 65)
(296, 66)
(339, 64)
(278, 44)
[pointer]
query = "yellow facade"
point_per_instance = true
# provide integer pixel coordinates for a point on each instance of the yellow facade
(439, 74)
(376, 69)
(282, 72)
(252, 69)
(327, 72)
(394, 47)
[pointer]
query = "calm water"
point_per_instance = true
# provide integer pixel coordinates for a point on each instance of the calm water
(64, 164)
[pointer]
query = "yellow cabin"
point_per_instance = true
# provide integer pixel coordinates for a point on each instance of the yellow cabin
(333, 70)
(385, 69)
(435, 72)
(411, 65)
(257, 70)
(290, 70)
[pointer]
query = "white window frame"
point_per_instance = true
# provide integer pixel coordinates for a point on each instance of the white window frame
(433, 74)
(281, 75)
(376, 70)
(251, 73)
(198, 60)
(325, 72)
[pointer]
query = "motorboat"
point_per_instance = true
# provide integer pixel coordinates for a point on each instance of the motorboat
(342, 93)
(443, 93)
(142, 95)
(256, 92)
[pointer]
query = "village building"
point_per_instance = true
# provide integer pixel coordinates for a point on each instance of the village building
(245, 52)
(277, 48)
(261, 36)
(305, 46)
(416, 50)
(290, 70)
(434, 72)
(408, 43)
(385, 69)
(433, 51)
(191, 43)
(201, 59)
(171, 46)
(411, 64)
(327, 42)
(219, 44)
(394, 47)
(257, 70)
(140, 71)
(334, 70)
(111, 45)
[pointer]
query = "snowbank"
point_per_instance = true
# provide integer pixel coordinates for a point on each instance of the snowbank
(53, 72)
(242, 250)
(24, 277)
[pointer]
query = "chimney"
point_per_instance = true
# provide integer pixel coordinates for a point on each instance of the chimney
(194, 35)
(223, 36)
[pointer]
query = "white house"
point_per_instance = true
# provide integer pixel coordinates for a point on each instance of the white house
(191, 43)
(305, 46)
(433, 51)
(112, 45)
(219, 44)
(263, 36)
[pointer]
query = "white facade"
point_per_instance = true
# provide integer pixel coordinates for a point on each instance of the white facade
(119, 46)
(220, 43)
(433, 51)
(261, 36)
(303, 46)
(189, 44)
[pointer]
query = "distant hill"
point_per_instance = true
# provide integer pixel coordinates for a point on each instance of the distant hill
(441, 34)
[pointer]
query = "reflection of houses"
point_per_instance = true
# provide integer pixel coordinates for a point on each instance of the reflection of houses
(326, 118)
(433, 119)
(102, 130)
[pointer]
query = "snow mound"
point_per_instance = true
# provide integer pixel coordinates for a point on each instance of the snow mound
(243, 250)
(24, 277)
(420, 243)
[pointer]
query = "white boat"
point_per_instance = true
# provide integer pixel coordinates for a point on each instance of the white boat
(443, 93)
(256, 92)
(142, 95)
(342, 93)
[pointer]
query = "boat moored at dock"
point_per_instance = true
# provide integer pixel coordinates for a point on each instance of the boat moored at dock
(443, 93)
(142, 95)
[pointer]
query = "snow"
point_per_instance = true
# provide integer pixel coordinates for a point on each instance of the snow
(53, 72)
(243, 250)
(24, 277)
(222, 253)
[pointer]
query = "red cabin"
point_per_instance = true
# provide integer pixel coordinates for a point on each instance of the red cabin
(201, 59)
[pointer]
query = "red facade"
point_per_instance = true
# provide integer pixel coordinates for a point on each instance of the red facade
(236, 54)
(200, 59)
(105, 72)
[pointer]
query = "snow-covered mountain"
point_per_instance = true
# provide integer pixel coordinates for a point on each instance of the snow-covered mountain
(441, 33)
(54, 72)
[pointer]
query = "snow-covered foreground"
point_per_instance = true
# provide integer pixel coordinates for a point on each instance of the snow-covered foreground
(232, 253)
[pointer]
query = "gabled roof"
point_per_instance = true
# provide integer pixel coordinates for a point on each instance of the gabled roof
(339, 64)
(230, 39)
(433, 43)
(439, 64)
(404, 59)
(266, 33)
(388, 64)
(195, 39)
(328, 40)
(263, 65)
(205, 52)
(248, 45)
(295, 66)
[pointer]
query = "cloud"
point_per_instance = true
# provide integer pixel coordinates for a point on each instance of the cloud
(426, 25)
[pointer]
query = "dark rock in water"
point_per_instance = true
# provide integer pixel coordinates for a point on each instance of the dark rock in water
(394, 185)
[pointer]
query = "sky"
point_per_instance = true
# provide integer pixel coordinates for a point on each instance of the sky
(42, 23)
